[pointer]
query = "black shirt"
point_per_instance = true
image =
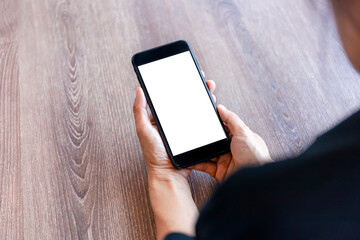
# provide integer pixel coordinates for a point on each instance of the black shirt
(313, 196)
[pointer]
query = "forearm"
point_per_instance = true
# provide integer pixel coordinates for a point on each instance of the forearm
(173, 206)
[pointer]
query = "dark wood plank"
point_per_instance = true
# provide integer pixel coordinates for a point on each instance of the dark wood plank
(70, 162)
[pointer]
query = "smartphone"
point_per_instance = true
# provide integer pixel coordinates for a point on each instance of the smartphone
(181, 104)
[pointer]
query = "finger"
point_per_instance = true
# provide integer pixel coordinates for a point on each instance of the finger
(141, 116)
(222, 166)
(233, 122)
(228, 131)
(214, 98)
(203, 73)
(211, 85)
(208, 167)
(227, 128)
(151, 117)
(214, 160)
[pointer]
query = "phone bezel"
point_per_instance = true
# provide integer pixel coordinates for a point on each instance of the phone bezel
(195, 155)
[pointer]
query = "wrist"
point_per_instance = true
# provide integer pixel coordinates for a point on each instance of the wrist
(167, 176)
(172, 203)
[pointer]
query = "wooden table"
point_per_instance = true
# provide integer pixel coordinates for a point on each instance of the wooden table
(70, 162)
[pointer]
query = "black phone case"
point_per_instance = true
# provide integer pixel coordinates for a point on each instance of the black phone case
(162, 134)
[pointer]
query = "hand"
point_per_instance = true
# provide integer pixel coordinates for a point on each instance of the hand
(170, 195)
(154, 152)
(246, 149)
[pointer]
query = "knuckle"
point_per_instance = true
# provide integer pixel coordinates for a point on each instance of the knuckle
(137, 111)
(135, 108)
(233, 118)
(140, 129)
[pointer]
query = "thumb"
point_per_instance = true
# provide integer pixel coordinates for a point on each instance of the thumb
(234, 123)
(142, 120)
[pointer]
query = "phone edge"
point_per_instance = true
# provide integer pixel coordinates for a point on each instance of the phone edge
(162, 134)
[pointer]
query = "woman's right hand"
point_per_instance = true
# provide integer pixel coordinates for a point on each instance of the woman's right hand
(246, 149)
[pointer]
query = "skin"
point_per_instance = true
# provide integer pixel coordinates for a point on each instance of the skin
(348, 22)
(171, 200)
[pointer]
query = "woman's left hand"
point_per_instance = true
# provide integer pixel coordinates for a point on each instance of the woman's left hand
(170, 195)
(154, 152)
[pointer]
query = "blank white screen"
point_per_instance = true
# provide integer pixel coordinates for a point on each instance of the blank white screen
(181, 102)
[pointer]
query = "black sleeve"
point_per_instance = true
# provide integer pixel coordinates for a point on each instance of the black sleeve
(178, 236)
(313, 196)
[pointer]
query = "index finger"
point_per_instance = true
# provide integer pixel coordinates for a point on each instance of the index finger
(234, 123)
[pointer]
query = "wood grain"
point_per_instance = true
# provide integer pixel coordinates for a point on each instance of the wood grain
(70, 163)
(11, 195)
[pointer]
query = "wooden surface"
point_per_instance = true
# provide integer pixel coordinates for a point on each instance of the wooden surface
(70, 162)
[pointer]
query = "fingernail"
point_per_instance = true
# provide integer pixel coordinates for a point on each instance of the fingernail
(137, 92)
(222, 107)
